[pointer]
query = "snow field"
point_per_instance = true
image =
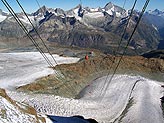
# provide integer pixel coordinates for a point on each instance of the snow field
(19, 69)
(2, 18)
(95, 15)
(147, 105)
(103, 105)
(12, 114)
(109, 108)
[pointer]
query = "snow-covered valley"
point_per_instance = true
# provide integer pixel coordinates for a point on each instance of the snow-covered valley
(128, 99)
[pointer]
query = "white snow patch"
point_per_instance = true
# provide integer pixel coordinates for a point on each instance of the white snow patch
(69, 15)
(6, 12)
(10, 17)
(154, 27)
(145, 93)
(76, 14)
(95, 14)
(94, 9)
(13, 114)
(2, 18)
(113, 9)
(126, 13)
(39, 18)
(54, 13)
(23, 68)
(25, 19)
(110, 12)
(118, 14)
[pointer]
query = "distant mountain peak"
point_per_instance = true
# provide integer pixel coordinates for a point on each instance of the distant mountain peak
(43, 9)
(158, 11)
(155, 12)
(77, 12)
(78, 6)
(59, 12)
(40, 11)
(108, 6)
(3, 13)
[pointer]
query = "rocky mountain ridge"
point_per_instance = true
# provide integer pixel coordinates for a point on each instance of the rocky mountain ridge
(156, 12)
(86, 27)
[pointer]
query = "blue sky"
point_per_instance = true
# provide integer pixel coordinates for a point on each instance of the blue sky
(31, 5)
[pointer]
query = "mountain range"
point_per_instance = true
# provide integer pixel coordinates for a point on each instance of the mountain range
(85, 27)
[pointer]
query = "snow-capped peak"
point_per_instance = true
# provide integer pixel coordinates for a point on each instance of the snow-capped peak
(7, 13)
(76, 12)
(40, 11)
(156, 12)
(3, 13)
(112, 9)
(94, 9)
(59, 12)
